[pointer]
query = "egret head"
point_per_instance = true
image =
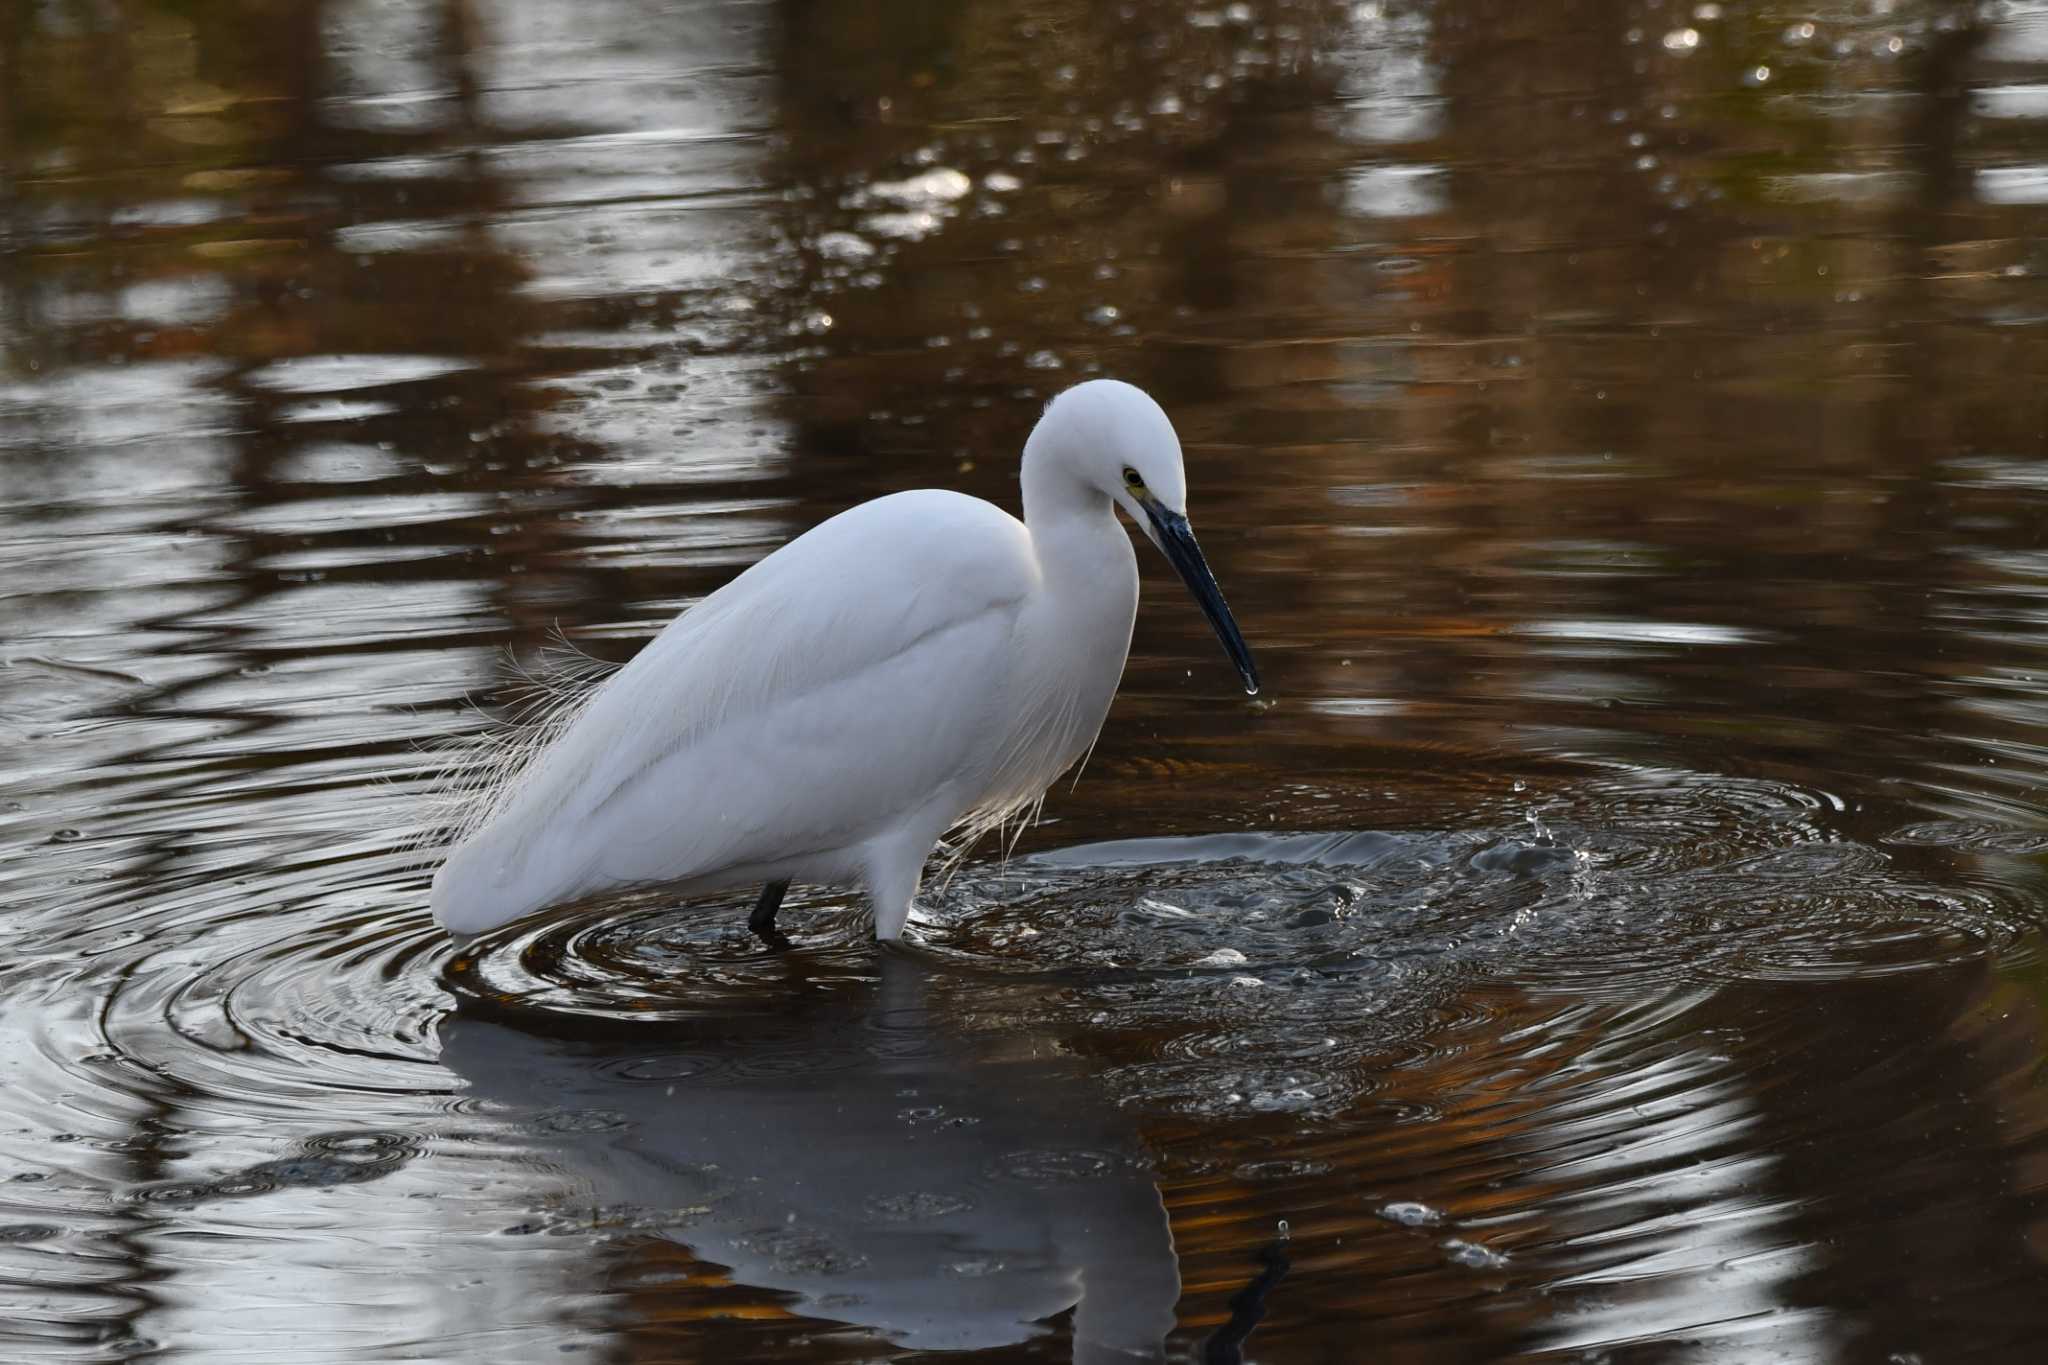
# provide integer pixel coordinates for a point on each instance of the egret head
(1110, 437)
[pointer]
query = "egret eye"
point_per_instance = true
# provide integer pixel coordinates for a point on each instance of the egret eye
(1132, 479)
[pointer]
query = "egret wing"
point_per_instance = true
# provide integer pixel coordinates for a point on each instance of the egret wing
(843, 679)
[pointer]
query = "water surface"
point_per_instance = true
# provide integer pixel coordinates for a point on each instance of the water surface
(1616, 934)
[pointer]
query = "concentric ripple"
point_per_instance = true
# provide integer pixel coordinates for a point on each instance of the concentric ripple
(1288, 973)
(1638, 874)
(265, 1008)
(1976, 836)
(647, 959)
(1291, 972)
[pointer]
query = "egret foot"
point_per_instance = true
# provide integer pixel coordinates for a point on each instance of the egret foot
(762, 921)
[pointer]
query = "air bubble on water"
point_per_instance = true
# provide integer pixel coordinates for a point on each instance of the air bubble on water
(1799, 33)
(844, 246)
(1410, 1214)
(1756, 76)
(1222, 957)
(1474, 1256)
(939, 185)
(1681, 40)
(1043, 360)
(1290, 1100)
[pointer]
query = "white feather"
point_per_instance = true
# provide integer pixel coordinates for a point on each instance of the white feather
(917, 663)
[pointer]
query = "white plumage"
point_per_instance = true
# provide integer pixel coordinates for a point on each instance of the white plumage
(916, 662)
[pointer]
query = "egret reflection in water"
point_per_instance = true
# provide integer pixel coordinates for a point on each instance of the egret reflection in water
(861, 1155)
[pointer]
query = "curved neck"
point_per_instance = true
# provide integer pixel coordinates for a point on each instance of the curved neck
(1051, 492)
(1073, 525)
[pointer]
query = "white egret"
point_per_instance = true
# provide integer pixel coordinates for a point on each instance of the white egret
(919, 662)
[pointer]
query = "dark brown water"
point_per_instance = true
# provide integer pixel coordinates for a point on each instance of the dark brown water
(1616, 935)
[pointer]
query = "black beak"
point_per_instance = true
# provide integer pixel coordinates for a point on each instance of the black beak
(1179, 543)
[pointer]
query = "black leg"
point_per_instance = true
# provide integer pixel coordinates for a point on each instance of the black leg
(762, 921)
(1248, 1307)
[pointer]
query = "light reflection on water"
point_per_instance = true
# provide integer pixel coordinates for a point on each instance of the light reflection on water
(1617, 935)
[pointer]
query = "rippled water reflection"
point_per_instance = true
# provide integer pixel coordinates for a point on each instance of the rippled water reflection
(1617, 935)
